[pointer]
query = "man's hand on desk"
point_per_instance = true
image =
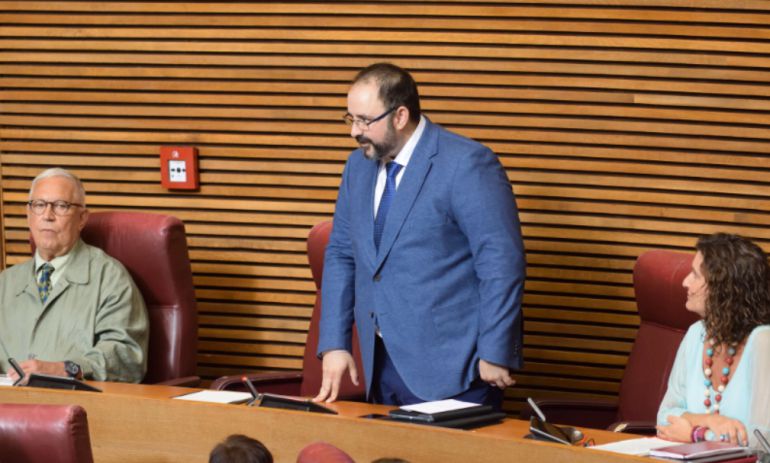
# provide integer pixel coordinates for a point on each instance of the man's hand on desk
(335, 363)
(495, 375)
(38, 366)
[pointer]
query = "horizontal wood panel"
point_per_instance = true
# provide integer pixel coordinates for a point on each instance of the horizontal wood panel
(232, 26)
(623, 126)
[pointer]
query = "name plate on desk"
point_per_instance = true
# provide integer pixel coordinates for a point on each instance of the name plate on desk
(59, 382)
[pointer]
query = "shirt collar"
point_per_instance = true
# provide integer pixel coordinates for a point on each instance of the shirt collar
(406, 152)
(57, 262)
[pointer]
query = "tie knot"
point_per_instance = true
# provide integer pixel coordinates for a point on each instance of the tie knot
(46, 270)
(392, 169)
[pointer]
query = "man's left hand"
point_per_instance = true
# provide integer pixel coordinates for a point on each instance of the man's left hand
(495, 375)
(38, 366)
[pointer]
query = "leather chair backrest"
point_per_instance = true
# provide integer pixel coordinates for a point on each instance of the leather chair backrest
(44, 433)
(311, 365)
(660, 299)
(322, 452)
(153, 248)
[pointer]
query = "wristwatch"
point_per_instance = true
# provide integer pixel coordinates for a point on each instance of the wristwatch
(73, 369)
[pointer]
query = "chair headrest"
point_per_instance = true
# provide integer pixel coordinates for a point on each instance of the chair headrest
(660, 296)
(42, 432)
(316, 247)
(323, 452)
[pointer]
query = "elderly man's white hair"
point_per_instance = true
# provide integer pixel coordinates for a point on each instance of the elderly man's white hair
(59, 172)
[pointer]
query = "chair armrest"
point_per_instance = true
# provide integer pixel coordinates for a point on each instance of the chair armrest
(646, 428)
(589, 413)
(184, 381)
(285, 383)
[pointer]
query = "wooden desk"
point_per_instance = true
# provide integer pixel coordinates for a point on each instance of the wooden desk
(139, 423)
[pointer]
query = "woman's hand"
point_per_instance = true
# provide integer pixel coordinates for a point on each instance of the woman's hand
(727, 429)
(680, 430)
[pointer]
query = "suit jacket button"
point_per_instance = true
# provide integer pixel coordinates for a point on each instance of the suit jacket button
(377, 277)
(371, 314)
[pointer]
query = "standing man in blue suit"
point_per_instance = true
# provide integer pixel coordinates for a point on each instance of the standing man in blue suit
(425, 257)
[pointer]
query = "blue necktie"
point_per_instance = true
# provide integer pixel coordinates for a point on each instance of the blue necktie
(387, 196)
(44, 284)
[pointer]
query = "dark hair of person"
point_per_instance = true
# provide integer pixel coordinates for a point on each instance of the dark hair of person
(738, 280)
(397, 87)
(238, 448)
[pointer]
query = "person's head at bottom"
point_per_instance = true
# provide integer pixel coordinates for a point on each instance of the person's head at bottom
(238, 448)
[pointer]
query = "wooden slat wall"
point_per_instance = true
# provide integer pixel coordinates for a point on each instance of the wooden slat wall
(624, 126)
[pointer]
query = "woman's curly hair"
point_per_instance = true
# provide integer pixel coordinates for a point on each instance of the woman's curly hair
(738, 278)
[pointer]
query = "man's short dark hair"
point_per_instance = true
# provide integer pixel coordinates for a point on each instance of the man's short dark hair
(238, 448)
(397, 87)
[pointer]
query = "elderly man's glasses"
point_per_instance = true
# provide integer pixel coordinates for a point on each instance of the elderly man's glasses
(363, 124)
(38, 206)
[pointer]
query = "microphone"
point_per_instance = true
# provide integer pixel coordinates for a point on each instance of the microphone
(762, 441)
(253, 390)
(536, 409)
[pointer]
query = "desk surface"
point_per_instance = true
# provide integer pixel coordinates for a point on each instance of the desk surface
(139, 423)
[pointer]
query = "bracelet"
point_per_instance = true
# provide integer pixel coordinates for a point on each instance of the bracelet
(698, 434)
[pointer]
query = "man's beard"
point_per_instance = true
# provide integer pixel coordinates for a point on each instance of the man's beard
(378, 151)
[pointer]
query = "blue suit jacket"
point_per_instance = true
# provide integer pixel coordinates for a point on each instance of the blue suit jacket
(446, 286)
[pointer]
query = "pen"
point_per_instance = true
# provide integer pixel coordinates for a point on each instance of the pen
(18, 369)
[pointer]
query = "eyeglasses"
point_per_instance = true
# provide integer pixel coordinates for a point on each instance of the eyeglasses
(38, 206)
(363, 124)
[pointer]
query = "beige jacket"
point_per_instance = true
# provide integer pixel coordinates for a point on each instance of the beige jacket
(94, 316)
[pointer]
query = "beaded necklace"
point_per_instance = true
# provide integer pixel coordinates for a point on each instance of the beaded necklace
(723, 380)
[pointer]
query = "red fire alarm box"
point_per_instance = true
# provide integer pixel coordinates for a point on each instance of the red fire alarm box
(179, 167)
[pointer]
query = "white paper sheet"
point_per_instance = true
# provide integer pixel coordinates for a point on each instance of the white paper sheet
(639, 447)
(218, 397)
(5, 381)
(437, 406)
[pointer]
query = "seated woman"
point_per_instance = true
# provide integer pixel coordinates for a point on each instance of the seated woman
(719, 388)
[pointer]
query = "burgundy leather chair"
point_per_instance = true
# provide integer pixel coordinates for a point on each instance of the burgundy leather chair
(153, 248)
(660, 300)
(44, 434)
(322, 452)
(306, 383)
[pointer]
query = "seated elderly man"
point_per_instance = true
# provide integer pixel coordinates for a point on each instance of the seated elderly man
(71, 310)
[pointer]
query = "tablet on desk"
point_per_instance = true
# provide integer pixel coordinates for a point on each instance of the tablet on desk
(59, 382)
(411, 415)
(292, 403)
(448, 413)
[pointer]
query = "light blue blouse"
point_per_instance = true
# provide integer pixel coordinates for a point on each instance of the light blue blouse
(746, 397)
